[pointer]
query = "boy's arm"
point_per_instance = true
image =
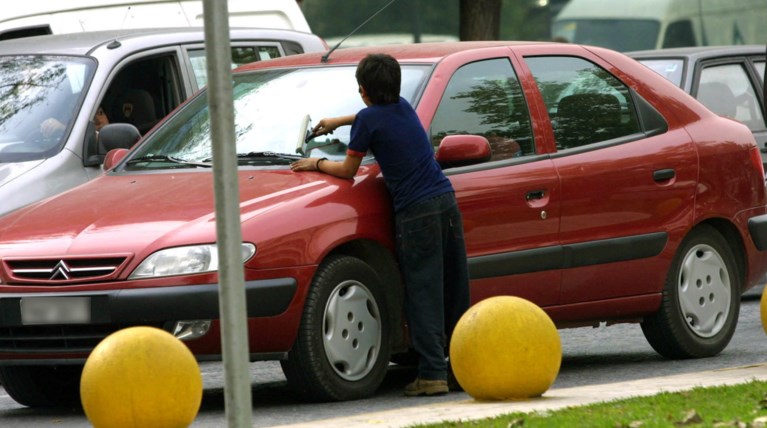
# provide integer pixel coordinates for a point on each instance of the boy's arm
(329, 124)
(343, 169)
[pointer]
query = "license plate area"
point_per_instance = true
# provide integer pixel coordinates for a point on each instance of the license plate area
(55, 310)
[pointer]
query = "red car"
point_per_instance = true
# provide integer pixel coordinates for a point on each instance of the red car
(589, 184)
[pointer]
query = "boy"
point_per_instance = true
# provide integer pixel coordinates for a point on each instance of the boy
(429, 231)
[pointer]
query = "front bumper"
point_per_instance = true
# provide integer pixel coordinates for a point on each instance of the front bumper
(111, 310)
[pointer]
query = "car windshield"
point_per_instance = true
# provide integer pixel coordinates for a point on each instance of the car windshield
(39, 98)
(618, 34)
(272, 110)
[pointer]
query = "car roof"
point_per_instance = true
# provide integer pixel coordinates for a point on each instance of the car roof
(85, 42)
(413, 52)
(700, 52)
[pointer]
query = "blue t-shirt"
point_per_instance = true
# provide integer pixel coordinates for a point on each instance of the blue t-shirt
(396, 137)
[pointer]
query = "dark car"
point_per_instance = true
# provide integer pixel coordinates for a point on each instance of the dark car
(588, 184)
(729, 80)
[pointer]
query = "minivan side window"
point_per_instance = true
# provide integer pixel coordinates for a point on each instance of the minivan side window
(485, 98)
(679, 34)
(586, 104)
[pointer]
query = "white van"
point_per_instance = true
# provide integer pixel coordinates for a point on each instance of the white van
(40, 17)
(630, 25)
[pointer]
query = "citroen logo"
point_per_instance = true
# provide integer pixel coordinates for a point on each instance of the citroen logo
(60, 271)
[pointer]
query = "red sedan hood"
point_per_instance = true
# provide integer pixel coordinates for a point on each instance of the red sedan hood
(158, 208)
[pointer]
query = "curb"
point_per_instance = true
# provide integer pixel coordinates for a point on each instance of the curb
(554, 399)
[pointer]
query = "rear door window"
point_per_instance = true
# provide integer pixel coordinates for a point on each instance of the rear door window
(586, 104)
(728, 91)
(241, 55)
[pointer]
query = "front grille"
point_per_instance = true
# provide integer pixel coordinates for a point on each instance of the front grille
(57, 339)
(62, 271)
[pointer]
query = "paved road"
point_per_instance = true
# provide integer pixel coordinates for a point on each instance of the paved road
(590, 356)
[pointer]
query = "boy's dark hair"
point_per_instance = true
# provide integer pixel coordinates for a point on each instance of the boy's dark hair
(380, 75)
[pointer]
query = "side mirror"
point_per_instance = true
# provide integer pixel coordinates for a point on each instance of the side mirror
(118, 136)
(462, 150)
(113, 157)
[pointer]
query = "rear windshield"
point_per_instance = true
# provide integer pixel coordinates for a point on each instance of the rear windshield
(670, 68)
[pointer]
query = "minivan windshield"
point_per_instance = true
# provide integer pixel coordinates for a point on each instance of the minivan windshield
(272, 111)
(618, 34)
(39, 98)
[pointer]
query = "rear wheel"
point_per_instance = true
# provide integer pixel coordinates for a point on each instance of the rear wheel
(701, 300)
(342, 349)
(39, 386)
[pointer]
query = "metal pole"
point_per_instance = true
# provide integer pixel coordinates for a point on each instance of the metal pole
(232, 307)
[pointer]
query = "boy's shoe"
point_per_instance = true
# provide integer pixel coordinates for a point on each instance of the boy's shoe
(420, 387)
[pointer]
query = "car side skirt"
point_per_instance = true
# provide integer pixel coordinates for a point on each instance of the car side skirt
(568, 255)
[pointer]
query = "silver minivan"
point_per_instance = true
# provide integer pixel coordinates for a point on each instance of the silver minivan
(55, 91)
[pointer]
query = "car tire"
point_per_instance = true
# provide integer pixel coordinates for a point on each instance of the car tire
(42, 386)
(342, 348)
(701, 299)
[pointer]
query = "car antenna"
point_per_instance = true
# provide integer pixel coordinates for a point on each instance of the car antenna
(114, 44)
(325, 57)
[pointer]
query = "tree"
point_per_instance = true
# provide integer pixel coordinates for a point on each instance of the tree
(499, 19)
(480, 19)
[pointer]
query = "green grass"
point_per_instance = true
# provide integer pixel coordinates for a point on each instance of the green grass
(722, 406)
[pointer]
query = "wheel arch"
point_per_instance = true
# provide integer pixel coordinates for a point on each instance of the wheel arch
(735, 241)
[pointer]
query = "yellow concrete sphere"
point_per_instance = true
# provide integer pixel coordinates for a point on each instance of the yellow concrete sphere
(505, 348)
(763, 310)
(141, 377)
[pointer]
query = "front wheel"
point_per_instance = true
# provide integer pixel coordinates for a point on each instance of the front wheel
(42, 386)
(342, 349)
(701, 299)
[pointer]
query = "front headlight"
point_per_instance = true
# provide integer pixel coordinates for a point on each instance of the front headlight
(185, 261)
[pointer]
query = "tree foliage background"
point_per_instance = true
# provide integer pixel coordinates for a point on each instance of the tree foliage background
(519, 20)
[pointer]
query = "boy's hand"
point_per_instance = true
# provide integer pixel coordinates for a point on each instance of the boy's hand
(325, 126)
(308, 164)
(329, 124)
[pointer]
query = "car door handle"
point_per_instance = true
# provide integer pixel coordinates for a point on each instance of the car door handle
(534, 194)
(663, 174)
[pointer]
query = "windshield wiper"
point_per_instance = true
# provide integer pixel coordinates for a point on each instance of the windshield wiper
(267, 155)
(166, 158)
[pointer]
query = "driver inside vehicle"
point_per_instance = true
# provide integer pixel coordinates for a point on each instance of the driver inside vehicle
(53, 127)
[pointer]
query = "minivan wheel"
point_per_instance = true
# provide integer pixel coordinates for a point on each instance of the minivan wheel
(42, 386)
(342, 349)
(701, 299)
